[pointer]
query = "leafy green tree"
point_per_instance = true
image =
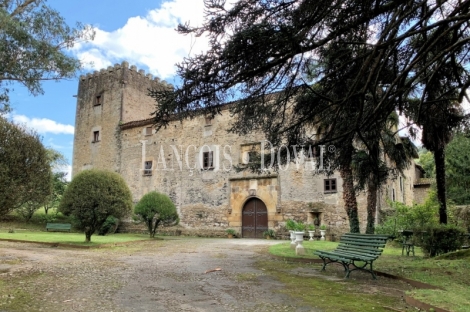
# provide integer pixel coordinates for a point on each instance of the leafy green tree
(154, 209)
(25, 171)
(34, 40)
(59, 183)
(94, 195)
(458, 169)
(426, 160)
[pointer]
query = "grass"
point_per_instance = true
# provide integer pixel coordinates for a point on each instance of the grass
(72, 238)
(448, 271)
(326, 295)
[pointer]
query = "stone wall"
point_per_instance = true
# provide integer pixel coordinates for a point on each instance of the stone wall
(213, 200)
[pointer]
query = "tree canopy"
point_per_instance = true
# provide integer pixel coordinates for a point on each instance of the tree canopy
(94, 195)
(155, 209)
(25, 170)
(261, 47)
(33, 43)
(344, 66)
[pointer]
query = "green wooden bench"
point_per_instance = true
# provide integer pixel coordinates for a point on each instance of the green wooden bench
(58, 226)
(353, 248)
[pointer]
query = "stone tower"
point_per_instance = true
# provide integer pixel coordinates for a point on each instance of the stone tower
(105, 100)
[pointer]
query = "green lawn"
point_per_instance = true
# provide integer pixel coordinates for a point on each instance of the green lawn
(70, 238)
(451, 272)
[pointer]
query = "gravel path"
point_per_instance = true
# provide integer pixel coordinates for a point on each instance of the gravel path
(168, 275)
(174, 274)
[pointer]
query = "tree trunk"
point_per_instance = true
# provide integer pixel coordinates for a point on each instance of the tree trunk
(349, 198)
(439, 159)
(371, 205)
(150, 227)
(88, 236)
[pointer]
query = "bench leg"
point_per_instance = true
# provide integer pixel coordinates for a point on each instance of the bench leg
(330, 261)
(363, 268)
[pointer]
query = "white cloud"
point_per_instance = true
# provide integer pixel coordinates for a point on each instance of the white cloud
(148, 41)
(43, 125)
(67, 169)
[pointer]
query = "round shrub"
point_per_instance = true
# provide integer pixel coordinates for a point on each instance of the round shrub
(154, 209)
(93, 196)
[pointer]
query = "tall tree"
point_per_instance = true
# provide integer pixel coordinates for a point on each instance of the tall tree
(57, 162)
(458, 169)
(258, 48)
(25, 171)
(439, 113)
(33, 43)
(383, 156)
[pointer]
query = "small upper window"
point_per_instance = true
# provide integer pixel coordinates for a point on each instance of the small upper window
(96, 136)
(330, 185)
(98, 100)
(207, 160)
(148, 168)
(148, 131)
(208, 121)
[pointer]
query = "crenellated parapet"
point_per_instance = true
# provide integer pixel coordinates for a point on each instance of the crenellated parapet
(120, 74)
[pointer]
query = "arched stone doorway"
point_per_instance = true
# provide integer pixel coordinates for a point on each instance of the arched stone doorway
(254, 219)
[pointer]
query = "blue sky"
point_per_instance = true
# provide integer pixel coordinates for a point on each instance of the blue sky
(138, 31)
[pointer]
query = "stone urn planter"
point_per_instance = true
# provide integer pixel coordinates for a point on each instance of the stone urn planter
(299, 238)
(292, 239)
(322, 232)
(311, 234)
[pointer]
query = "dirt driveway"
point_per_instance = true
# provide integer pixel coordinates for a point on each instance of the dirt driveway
(176, 274)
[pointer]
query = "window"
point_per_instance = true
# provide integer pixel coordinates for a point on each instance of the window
(393, 194)
(148, 168)
(148, 131)
(98, 100)
(329, 185)
(207, 160)
(96, 136)
(208, 121)
(248, 157)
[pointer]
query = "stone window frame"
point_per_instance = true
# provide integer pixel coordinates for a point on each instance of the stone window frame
(96, 136)
(98, 100)
(148, 164)
(208, 160)
(330, 186)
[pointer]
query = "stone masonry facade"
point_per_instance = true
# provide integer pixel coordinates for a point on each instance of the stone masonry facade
(193, 161)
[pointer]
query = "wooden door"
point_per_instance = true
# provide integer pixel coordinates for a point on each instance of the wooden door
(254, 219)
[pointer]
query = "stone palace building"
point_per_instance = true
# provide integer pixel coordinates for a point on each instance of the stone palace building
(193, 162)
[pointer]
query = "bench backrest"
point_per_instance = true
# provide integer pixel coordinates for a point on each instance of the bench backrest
(363, 244)
(59, 226)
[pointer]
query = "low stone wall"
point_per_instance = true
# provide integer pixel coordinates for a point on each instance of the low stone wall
(141, 228)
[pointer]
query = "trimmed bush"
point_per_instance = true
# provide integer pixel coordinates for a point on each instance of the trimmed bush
(440, 239)
(154, 209)
(93, 196)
